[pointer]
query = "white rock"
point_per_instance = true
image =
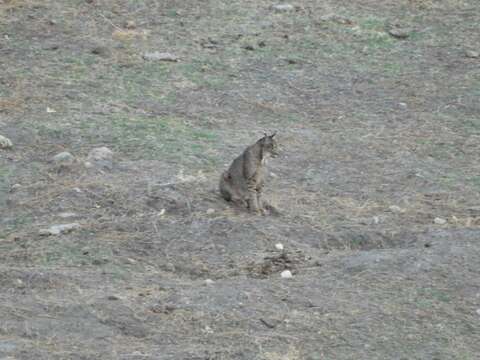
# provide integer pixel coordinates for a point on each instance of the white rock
(279, 246)
(50, 110)
(15, 187)
(160, 56)
(100, 157)
(472, 54)
(439, 221)
(283, 7)
(376, 220)
(396, 209)
(64, 159)
(210, 211)
(209, 282)
(478, 311)
(66, 215)
(59, 229)
(5, 142)
(286, 274)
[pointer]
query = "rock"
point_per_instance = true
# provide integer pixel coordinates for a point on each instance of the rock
(399, 33)
(59, 229)
(209, 282)
(130, 24)
(283, 7)
(100, 51)
(279, 246)
(112, 297)
(286, 274)
(15, 187)
(160, 56)
(439, 221)
(210, 211)
(63, 159)
(396, 209)
(66, 215)
(478, 311)
(472, 54)
(5, 143)
(101, 157)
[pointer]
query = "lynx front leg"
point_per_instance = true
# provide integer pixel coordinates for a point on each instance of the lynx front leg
(262, 204)
(252, 196)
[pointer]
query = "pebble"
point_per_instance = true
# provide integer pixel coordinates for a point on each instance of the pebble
(101, 157)
(286, 274)
(399, 33)
(66, 215)
(279, 246)
(209, 282)
(5, 142)
(64, 159)
(59, 229)
(396, 209)
(283, 7)
(130, 24)
(210, 211)
(472, 54)
(160, 56)
(15, 187)
(439, 221)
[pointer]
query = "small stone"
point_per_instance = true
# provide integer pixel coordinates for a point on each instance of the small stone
(112, 297)
(100, 51)
(210, 211)
(286, 274)
(131, 261)
(130, 24)
(5, 143)
(472, 54)
(66, 215)
(439, 221)
(283, 7)
(402, 105)
(399, 33)
(64, 159)
(101, 157)
(209, 282)
(396, 209)
(478, 311)
(160, 56)
(50, 110)
(376, 220)
(279, 246)
(59, 229)
(249, 47)
(15, 187)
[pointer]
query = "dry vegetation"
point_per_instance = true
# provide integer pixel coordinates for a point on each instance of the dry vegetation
(380, 137)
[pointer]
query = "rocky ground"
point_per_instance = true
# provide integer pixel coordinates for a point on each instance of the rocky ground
(117, 118)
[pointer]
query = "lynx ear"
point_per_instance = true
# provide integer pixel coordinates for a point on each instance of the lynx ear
(274, 133)
(265, 134)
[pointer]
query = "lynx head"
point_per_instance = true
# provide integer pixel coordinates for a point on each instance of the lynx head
(269, 145)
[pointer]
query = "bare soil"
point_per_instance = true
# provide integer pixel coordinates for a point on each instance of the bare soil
(377, 108)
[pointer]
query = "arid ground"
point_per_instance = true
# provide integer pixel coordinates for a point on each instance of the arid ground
(377, 108)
